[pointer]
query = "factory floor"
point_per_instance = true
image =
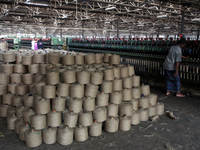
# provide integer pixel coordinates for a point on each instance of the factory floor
(164, 133)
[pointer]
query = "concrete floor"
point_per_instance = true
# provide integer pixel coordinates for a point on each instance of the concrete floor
(182, 134)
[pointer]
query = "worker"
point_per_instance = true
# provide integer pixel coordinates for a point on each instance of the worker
(33, 44)
(40, 44)
(3, 40)
(171, 67)
(36, 45)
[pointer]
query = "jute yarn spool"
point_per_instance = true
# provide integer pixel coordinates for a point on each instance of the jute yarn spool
(97, 77)
(49, 135)
(107, 87)
(38, 122)
(63, 89)
(109, 74)
(42, 68)
(112, 124)
(127, 82)
(125, 123)
(83, 77)
(144, 114)
(38, 87)
(131, 70)
(91, 90)
(27, 113)
(135, 118)
(38, 77)
(95, 129)
(89, 103)
(68, 60)
(48, 91)
(17, 123)
(27, 59)
(54, 118)
(109, 67)
(117, 72)
(19, 68)
(79, 59)
(77, 90)
(28, 100)
(81, 133)
(54, 57)
(100, 114)
(27, 78)
(10, 122)
(16, 100)
(65, 135)
(69, 76)
(85, 118)
(114, 59)
(7, 68)
(106, 57)
(112, 110)
(16, 78)
(33, 138)
(126, 108)
(19, 58)
(3, 89)
(70, 119)
(7, 98)
(90, 58)
(136, 92)
(19, 111)
(152, 99)
(145, 89)
(127, 94)
(11, 110)
(59, 104)
(117, 84)
(102, 99)
(34, 68)
(22, 129)
(160, 108)
(8, 57)
(3, 46)
(3, 110)
(5, 79)
(135, 103)
(21, 89)
(98, 58)
(152, 110)
(116, 97)
(52, 78)
(38, 58)
(90, 69)
(124, 72)
(99, 65)
(42, 106)
(75, 105)
(144, 102)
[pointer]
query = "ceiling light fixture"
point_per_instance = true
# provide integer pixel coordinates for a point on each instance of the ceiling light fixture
(196, 19)
(162, 16)
(110, 8)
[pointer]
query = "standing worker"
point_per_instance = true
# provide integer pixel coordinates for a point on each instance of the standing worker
(40, 44)
(171, 67)
(33, 44)
(5, 43)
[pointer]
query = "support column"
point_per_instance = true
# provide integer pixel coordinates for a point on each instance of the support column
(158, 32)
(46, 32)
(60, 32)
(198, 34)
(83, 29)
(118, 28)
(182, 22)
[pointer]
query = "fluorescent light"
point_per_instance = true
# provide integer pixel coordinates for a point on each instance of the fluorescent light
(110, 8)
(196, 19)
(140, 25)
(107, 22)
(37, 4)
(162, 16)
(166, 27)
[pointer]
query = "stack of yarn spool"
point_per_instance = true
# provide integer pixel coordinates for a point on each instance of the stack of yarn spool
(57, 96)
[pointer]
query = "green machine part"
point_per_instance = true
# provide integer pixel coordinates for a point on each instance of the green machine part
(55, 41)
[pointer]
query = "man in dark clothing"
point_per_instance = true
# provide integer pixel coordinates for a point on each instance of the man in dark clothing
(40, 44)
(171, 67)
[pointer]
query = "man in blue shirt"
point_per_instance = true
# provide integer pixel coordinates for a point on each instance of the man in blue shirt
(40, 44)
(171, 67)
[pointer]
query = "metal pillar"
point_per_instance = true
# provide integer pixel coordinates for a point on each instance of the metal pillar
(60, 32)
(182, 22)
(83, 29)
(118, 28)
(158, 32)
(198, 34)
(46, 32)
